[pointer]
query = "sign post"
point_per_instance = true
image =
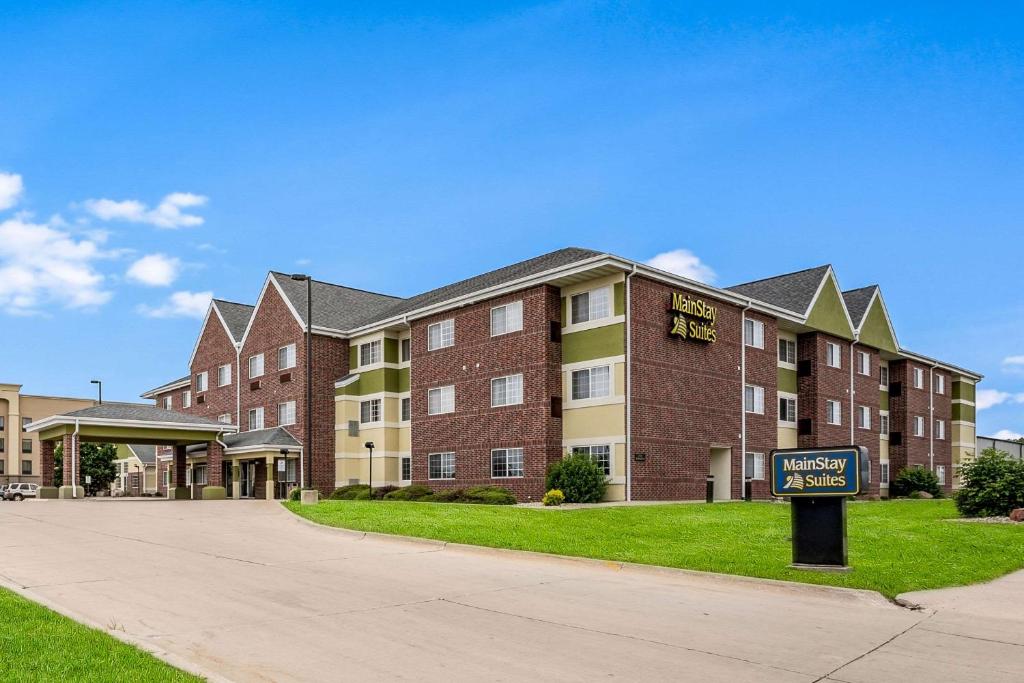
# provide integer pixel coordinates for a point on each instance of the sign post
(818, 482)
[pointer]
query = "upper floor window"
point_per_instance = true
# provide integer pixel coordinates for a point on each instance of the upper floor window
(592, 305)
(167, 402)
(940, 429)
(223, 375)
(507, 318)
(201, 381)
(753, 333)
(918, 425)
(370, 352)
(441, 400)
(833, 355)
(865, 363)
(883, 424)
(256, 366)
(883, 376)
(286, 413)
(591, 382)
(255, 418)
(26, 467)
(918, 378)
(406, 409)
(440, 335)
(864, 417)
(506, 391)
(406, 345)
(286, 357)
(186, 399)
(370, 411)
(787, 409)
(939, 383)
(3, 422)
(26, 445)
(25, 422)
(787, 351)
(753, 399)
(834, 412)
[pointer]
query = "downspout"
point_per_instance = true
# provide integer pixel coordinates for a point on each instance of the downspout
(853, 391)
(629, 389)
(743, 399)
(71, 460)
(224, 451)
(238, 388)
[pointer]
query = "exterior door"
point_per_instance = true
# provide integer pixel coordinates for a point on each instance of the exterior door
(228, 484)
(248, 480)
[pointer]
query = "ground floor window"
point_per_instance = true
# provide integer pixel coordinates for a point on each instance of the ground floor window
(199, 475)
(406, 469)
(940, 473)
(507, 462)
(884, 472)
(290, 467)
(2, 463)
(602, 455)
(26, 467)
(441, 466)
(755, 466)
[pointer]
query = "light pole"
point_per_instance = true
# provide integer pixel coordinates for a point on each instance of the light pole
(98, 383)
(369, 445)
(308, 445)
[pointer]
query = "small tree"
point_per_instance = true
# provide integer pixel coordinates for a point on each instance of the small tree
(579, 478)
(914, 479)
(991, 486)
(96, 460)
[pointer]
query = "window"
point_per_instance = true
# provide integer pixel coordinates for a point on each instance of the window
(406, 409)
(3, 422)
(865, 363)
(3, 447)
(506, 462)
(753, 399)
(601, 455)
(186, 399)
(939, 383)
(918, 426)
(406, 350)
(833, 357)
(834, 412)
(291, 470)
(286, 413)
(940, 473)
(883, 424)
(224, 418)
(370, 352)
(753, 333)
(256, 366)
(787, 351)
(406, 468)
(201, 381)
(787, 409)
(507, 318)
(940, 429)
(506, 391)
(255, 418)
(369, 411)
(25, 422)
(441, 400)
(286, 357)
(883, 377)
(592, 305)
(441, 466)
(26, 445)
(591, 382)
(440, 335)
(755, 466)
(167, 402)
(884, 473)
(199, 475)
(918, 378)
(3, 464)
(26, 467)
(223, 375)
(864, 417)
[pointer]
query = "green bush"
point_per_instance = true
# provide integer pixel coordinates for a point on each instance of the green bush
(554, 497)
(488, 495)
(991, 486)
(295, 494)
(413, 492)
(579, 478)
(351, 492)
(915, 479)
(445, 496)
(381, 492)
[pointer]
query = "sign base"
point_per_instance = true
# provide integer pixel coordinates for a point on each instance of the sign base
(819, 531)
(822, 568)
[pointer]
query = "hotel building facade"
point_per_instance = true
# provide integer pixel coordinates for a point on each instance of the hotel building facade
(662, 380)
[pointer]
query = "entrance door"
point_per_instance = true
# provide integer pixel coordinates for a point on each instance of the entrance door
(721, 470)
(248, 480)
(228, 483)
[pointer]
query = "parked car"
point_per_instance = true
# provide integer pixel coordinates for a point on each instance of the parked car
(3, 490)
(21, 491)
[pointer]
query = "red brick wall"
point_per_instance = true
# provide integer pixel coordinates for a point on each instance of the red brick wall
(821, 384)
(215, 348)
(866, 393)
(912, 402)
(475, 428)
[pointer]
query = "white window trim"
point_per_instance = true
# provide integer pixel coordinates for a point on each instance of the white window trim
(861, 370)
(262, 360)
(438, 324)
(490, 320)
(380, 411)
(838, 412)
(755, 326)
(522, 466)
(186, 398)
(885, 434)
(753, 410)
(863, 411)
(401, 400)
(782, 363)
(380, 353)
(752, 472)
(838, 355)
(592, 320)
(260, 413)
(590, 446)
(454, 466)
(796, 399)
(206, 382)
(404, 363)
(591, 399)
(294, 417)
(294, 357)
(507, 403)
(168, 403)
(441, 389)
(919, 422)
(917, 377)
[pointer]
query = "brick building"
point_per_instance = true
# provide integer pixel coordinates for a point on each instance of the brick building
(662, 380)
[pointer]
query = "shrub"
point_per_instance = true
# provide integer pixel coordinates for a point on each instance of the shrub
(351, 492)
(381, 492)
(445, 496)
(579, 478)
(554, 497)
(295, 494)
(488, 495)
(991, 486)
(413, 492)
(915, 479)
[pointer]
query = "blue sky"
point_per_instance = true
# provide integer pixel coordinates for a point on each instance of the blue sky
(165, 151)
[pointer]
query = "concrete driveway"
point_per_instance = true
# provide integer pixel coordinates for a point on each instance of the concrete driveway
(244, 591)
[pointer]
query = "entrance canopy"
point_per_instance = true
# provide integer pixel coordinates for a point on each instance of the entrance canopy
(131, 423)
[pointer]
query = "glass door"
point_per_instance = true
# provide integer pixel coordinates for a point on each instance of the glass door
(228, 483)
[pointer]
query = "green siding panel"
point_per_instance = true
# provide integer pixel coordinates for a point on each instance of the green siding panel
(788, 381)
(964, 391)
(829, 313)
(963, 412)
(565, 313)
(619, 298)
(875, 331)
(883, 400)
(390, 350)
(376, 381)
(353, 357)
(403, 380)
(599, 342)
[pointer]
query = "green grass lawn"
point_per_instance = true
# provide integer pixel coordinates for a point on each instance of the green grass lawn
(37, 644)
(894, 547)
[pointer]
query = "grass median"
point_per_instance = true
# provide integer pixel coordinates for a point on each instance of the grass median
(894, 546)
(37, 644)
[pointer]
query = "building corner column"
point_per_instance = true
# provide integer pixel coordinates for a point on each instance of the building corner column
(214, 489)
(48, 489)
(71, 467)
(271, 477)
(178, 490)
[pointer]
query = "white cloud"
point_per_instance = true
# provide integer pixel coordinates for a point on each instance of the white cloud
(41, 264)
(1007, 435)
(1013, 364)
(11, 188)
(683, 262)
(167, 214)
(155, 270)
(180, 305)
(989, 398)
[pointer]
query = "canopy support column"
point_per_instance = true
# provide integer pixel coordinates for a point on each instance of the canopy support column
(46, 467)
(71, 467)
(178, 490)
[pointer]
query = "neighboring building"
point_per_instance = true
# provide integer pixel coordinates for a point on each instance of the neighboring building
(136, 470)
(19, 450)
(1015, 449)
(662, 380)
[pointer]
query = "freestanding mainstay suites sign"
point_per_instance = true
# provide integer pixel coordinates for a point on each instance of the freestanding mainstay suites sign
(816, 472)
(693, 319)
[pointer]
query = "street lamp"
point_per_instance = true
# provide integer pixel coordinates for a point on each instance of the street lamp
(308, 445)
(99, 384)
(369, 445)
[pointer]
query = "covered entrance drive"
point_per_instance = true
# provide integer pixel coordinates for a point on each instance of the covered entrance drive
(129, 423)
(261, 464)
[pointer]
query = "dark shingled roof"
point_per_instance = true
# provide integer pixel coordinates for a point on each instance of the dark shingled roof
(146, 454)
(792, 291)
(274, 436)
(235, 315)
(334, 307)
(140, 412)
(857, 301)
(163, 387)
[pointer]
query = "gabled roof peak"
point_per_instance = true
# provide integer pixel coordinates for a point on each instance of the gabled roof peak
(791, 291)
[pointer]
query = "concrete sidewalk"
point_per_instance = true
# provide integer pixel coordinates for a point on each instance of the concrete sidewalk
(245, 591)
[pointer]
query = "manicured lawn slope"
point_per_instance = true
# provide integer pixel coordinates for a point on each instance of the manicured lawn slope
(894, 547)
(37, 644)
